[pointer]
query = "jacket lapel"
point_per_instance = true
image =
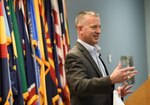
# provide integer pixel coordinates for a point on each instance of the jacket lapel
(104, 66)
(89, 57)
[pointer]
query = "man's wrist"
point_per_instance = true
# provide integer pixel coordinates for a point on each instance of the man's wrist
(111, 79)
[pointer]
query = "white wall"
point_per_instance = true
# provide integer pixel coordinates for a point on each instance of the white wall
(147, 22)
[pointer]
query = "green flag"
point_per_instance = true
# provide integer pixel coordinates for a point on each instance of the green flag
(19, 50)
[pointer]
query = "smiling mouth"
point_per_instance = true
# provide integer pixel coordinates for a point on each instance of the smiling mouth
(96, 36)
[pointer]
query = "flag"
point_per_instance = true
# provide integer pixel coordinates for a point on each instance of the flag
(65, 42)
(51, 80)
(28, 60)
(57, 39)
(32, 29)
(5, 88)
(13, 62)
(60, 48)
(37, 42)
(19, 49)
(43, 99)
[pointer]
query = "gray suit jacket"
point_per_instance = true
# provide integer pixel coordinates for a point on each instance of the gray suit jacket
(84, 79)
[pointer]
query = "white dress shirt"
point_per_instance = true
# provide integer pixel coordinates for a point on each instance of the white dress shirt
(95, 52)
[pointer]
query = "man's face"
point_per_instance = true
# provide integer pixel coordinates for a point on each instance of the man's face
(90, 30)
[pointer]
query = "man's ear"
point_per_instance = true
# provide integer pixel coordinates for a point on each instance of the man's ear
(79, 28)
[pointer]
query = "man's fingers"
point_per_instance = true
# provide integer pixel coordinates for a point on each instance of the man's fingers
(128, 87)
(128, 92)
(130, 74)
(129, 69)
(119, 66)
(124, 85)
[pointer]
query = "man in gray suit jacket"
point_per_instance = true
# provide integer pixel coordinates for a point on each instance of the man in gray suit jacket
(87, 76)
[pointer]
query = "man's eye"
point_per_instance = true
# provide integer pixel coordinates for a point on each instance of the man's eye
(94, 27)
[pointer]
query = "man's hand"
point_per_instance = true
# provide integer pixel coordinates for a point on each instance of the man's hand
(120, 74)
(124, 90)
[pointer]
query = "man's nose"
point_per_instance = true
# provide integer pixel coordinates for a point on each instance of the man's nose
(98, 30)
